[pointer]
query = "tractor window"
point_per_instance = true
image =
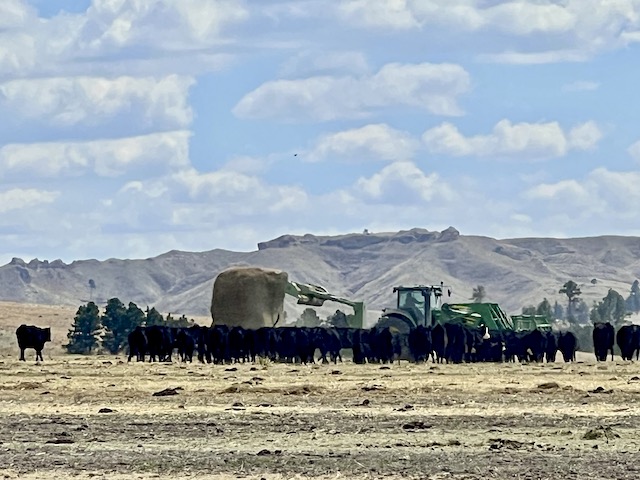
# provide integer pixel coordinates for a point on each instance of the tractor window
(411, 301)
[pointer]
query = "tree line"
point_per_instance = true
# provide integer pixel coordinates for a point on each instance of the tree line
(613, 307)
(92, 331)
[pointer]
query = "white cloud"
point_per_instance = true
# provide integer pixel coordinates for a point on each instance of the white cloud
(15, 14)
(563, 190)
(521, 218)
(603, 197)
(535, 58)
(382, 13)
(432, 87)
(634, 151)
(403, 182)
(580, 28)
(581, 86)
(371, 142)
(245, 193)
(103, 157)
(316, 63)
(584, 136)
(21, 198)
(159, 24)
(515, 17)
(108, 38)
(526, 140)
(71, 101)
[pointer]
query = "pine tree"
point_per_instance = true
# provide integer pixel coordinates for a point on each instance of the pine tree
(154, 317)
(114, 321)
(633, 300)
(83, 335)
(544, 308)
(558, 311)
(119, 322)
(572, 291)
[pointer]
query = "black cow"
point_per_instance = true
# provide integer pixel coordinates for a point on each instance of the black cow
(438, 342)
(628, 340)
(455, 349)
(30, 336)
(218, 344)
(603, 339)
(552, 346)
(137, 344)
(476, 343)
(185, 340)
(512, 346)
(327, 340)
(420, 344)
(536, 345)
(568, 344)
(159, 343)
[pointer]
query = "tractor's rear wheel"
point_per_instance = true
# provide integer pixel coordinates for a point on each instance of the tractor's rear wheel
(400, 329)
(396, 324)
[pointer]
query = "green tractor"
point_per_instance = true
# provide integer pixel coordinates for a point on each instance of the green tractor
(414, 306)
(422, 305)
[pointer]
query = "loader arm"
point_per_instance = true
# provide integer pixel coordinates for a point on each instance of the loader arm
(315, 296)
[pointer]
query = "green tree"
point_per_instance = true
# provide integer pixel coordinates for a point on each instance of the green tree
(573, 292)
(594, 315)
(558, 311)
(580, 312)
(115, 323)
(633, 300)
(134, 317)
(545, 308)
(308, 318)
(529, 310)
(154, 317)
(83, 335)
(612, 308)
(479, 294)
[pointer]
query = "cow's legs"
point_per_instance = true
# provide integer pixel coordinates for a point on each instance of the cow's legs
(22, 354)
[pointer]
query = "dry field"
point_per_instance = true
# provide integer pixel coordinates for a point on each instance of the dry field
(97, 417)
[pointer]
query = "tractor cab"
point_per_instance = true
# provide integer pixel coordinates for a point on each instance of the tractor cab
(414, 306)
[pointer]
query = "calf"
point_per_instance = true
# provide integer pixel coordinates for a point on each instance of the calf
(30, 336)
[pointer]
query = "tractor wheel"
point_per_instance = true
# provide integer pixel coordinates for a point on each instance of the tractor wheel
(396, 324)
(400, 328)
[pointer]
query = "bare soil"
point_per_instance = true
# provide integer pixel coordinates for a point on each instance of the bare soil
(98, 417)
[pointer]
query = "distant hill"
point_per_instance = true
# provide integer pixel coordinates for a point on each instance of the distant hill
(359, 266)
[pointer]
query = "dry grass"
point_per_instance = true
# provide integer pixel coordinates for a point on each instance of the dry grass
(278, 421)
(296, 421)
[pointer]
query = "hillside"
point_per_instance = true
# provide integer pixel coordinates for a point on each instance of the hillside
(514, 272)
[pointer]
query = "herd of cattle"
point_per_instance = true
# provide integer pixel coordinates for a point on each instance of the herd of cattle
(453, 343)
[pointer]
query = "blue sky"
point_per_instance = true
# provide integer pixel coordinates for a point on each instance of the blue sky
(133, 127)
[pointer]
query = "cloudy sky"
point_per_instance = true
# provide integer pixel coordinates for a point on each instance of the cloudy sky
(133, 127)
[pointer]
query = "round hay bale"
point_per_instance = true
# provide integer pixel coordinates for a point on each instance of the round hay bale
(249, 297)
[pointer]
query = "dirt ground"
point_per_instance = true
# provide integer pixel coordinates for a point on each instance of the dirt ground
(98, 417)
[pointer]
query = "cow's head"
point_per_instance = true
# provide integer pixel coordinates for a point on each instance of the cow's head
(485, 332)
(47, 334)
